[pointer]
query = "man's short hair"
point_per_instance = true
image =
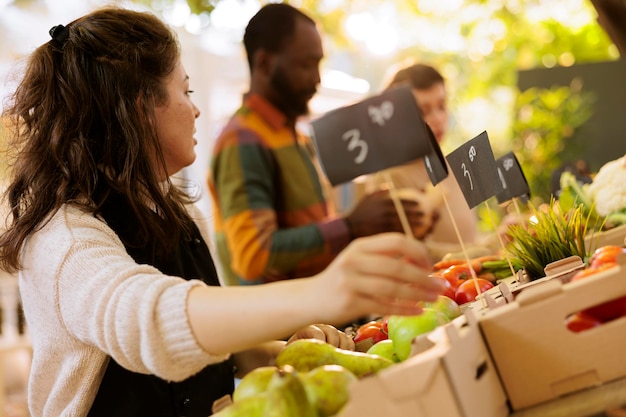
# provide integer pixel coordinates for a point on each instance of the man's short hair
(270, 28)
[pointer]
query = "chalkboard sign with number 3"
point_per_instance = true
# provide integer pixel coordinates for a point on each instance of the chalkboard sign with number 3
(353, 136)
(377, 133)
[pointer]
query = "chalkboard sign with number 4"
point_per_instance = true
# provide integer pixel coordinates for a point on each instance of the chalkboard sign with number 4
(377, 133)
(474, 168)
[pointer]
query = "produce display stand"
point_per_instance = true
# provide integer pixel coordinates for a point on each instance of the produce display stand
(606, 400)
(538, 358)
(450, 374)
(513, 356)
(615, 236)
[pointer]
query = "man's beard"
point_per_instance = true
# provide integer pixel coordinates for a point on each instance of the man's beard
(293, 103)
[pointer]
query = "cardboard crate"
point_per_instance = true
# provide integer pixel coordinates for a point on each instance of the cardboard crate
(615, 236)
(453, 377)
(537, 357)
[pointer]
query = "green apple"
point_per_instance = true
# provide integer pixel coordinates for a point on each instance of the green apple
(446, 305)
(385, 349)
(403, 329)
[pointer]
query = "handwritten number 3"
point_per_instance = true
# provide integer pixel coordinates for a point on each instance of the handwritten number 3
(467, 174)
(353, 136)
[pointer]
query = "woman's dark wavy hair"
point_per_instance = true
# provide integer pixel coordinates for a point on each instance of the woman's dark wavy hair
(83, 114)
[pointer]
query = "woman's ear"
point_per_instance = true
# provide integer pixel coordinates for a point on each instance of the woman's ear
(139, 101)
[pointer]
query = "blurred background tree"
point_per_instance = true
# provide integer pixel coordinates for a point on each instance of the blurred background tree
(479, 45)
(544, 123)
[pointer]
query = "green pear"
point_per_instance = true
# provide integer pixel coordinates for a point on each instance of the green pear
(286, 396)
(403, 329)
(307, 354)
(328, 388)
(254, 382)
(252, 406)
(385, 349)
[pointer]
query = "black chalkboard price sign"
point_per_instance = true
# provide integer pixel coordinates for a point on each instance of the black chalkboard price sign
(475, 169)
(435, 163)
(377, 133)
(513, 179)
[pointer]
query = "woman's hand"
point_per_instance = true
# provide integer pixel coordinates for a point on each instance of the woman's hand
(325, 333)
(381, 274)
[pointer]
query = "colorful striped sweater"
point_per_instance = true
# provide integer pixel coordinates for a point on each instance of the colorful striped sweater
(272, 219)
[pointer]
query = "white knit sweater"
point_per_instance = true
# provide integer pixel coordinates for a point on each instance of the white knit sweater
(86, 299)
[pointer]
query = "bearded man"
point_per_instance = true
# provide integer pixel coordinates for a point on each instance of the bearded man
(273, 218)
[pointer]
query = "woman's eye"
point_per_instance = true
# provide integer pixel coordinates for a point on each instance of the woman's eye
(190, 92)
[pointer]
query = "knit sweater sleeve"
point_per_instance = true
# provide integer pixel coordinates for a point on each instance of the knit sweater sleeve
(102, 298)
(267, 221)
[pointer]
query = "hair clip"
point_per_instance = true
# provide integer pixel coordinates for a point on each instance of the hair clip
(59, 33)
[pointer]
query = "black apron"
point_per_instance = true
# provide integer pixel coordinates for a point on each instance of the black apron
(123, 393)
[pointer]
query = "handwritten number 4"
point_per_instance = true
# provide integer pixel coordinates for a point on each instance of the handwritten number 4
(353, 136)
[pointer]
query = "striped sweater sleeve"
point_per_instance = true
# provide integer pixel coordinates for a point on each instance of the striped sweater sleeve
(246, 185)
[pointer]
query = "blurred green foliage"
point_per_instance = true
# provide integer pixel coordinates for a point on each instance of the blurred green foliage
(543, 126)
(195, 6)
(500, 38)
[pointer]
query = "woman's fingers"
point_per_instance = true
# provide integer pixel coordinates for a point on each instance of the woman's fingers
(395, 245)
(381, 274)
(391, 273)
(385, 289)
(398, 271)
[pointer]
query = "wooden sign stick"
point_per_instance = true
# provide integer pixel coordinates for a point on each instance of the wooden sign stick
(495, 227)
(398, 204)
(458, 236)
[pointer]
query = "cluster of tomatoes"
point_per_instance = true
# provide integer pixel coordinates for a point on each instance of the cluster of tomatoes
(602, 259)
(457, 277)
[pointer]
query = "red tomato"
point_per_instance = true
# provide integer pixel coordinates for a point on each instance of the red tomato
(609, 310)
(605, 254)
(385, 326)
(374, 330)
(580, 321)
(606, 311)
(456, 274)
(467, 290)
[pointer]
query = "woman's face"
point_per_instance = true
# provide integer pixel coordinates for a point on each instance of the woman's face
(175, 122)
(432, 104)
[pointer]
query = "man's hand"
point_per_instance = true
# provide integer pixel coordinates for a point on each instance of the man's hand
(376, 213)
